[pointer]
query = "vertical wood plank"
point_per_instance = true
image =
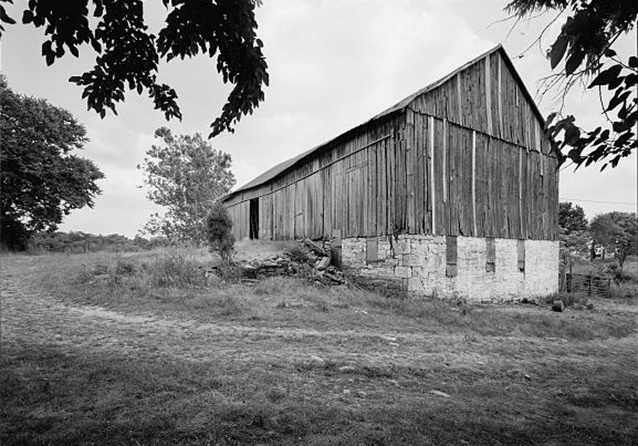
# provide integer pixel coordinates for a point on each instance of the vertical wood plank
(474, 226)
(382, 200)
(432, 175)
(391, 184)
(401, 191)
(459, 99)
(410, 165)
(520, 192)
(326, 178)
(419, 177)
(426, 166)
(488, 95)
(499, 101)
(444, 163)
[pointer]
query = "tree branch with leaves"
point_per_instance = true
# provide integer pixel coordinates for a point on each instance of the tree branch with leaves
(584, 49)
(128, 55)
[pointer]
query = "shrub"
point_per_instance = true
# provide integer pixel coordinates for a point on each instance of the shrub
(175, 270)
(298, 254)
(221, 241)
(100, 268)
(124, 267)
(626, 290)
(577, 299)
(230, 273)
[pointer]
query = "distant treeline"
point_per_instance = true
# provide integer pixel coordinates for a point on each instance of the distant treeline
(81, 242)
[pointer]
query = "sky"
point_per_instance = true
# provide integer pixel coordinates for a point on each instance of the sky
(332, 65)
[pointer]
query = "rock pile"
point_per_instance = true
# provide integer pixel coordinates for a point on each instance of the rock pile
(307, 259)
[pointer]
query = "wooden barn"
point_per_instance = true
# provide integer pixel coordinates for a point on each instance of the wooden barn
(453, 191)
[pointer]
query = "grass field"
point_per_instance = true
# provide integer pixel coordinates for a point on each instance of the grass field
(143, 349)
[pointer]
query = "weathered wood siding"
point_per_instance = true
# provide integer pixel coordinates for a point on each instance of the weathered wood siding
(466, 158)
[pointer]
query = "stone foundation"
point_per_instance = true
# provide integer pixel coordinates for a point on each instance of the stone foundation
(521, 269)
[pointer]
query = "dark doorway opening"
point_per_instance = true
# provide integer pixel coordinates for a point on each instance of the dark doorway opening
(253, 232)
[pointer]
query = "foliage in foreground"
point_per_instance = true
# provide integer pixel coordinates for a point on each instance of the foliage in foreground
(584, 47)
(42, 181)
(128, 55)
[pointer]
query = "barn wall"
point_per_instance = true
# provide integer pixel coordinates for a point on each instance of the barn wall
(421, 264)
(344, 187)
(492, 172)
(467, 158)
(416, 174)
(470, 183)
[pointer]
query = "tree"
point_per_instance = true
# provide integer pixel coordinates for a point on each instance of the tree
(571, 218)
(185, 175)
(584, 46)
(617, 232)
(128, 55)
(574, 237)
(41, 180)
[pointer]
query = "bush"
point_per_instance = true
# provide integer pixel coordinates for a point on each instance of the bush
(230, 273)
(175, 270)
(624, 290)
(576, 300)
(298, 254)
(221, 241)
(100, 269)
(124, 268)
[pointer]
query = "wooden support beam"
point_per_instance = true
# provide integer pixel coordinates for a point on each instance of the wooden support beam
(474, 225)
(500, 99)
(520, 191)
(444, 157)
(432, 192)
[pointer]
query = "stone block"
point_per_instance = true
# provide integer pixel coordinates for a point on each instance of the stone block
(414, 260)
(404, 272)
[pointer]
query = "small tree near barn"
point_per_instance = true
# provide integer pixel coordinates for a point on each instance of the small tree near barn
(219, 232)
(185, 175)
(574, 236)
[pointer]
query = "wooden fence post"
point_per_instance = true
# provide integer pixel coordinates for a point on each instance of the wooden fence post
(568, 280)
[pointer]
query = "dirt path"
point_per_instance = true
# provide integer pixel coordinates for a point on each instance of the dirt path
(32, 316)
(35, 317)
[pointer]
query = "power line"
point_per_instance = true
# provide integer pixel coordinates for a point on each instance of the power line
(597, 201)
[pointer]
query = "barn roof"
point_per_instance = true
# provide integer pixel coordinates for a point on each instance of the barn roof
(283, 167)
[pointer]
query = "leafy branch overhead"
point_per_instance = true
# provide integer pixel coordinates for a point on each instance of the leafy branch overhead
(128, 55)
(584, 47)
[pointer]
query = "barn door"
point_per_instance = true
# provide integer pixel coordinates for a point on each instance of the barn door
(253, 232)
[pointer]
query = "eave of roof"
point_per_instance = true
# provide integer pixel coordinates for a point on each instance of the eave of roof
(399, 107)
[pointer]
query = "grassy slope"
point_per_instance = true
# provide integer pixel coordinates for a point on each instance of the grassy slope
(115, 359)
